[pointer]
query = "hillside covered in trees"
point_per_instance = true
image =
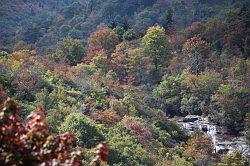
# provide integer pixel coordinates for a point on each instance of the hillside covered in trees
(124, 74)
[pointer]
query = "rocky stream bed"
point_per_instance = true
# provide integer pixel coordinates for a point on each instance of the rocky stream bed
(222, 141)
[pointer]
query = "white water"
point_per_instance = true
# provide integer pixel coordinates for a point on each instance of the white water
(221, 141)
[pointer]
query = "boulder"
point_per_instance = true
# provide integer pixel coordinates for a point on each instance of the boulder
(191, 118)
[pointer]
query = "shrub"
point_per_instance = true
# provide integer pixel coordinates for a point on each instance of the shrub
(85, 130)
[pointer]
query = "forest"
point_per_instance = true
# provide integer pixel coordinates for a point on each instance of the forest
(125, 82)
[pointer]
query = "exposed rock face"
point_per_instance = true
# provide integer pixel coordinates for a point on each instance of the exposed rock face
(222, 141)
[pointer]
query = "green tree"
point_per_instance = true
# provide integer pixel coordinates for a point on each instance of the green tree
(99, 95)
(71, 49)
(57, 116)
(168, 93)
(168, 20)
(234, 159)
(175, 161)
(232, 103)
(157, 47)
(101, 62)
(84, 129)
(197, 90)
(129, 35)
(3, 56)
(178, 161)
(172, 128)
(125, 149)
(138, 65)
(119, 31)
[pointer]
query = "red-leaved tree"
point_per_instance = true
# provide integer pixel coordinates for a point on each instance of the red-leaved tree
(29, 143)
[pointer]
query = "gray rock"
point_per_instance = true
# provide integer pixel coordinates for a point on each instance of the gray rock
(191, 118)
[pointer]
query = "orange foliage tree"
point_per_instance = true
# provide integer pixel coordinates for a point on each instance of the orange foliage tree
(104, 38)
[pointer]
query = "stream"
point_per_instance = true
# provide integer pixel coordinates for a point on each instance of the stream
(222, 141)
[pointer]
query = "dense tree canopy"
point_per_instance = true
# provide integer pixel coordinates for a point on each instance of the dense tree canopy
(70, 49)
(157, 47)
(127, 77)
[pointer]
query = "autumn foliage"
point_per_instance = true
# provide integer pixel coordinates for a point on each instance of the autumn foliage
(123, 72)
(29, 142)
(141, 131)
(104, 38)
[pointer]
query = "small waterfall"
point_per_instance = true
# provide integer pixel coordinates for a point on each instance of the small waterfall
(222, 142)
